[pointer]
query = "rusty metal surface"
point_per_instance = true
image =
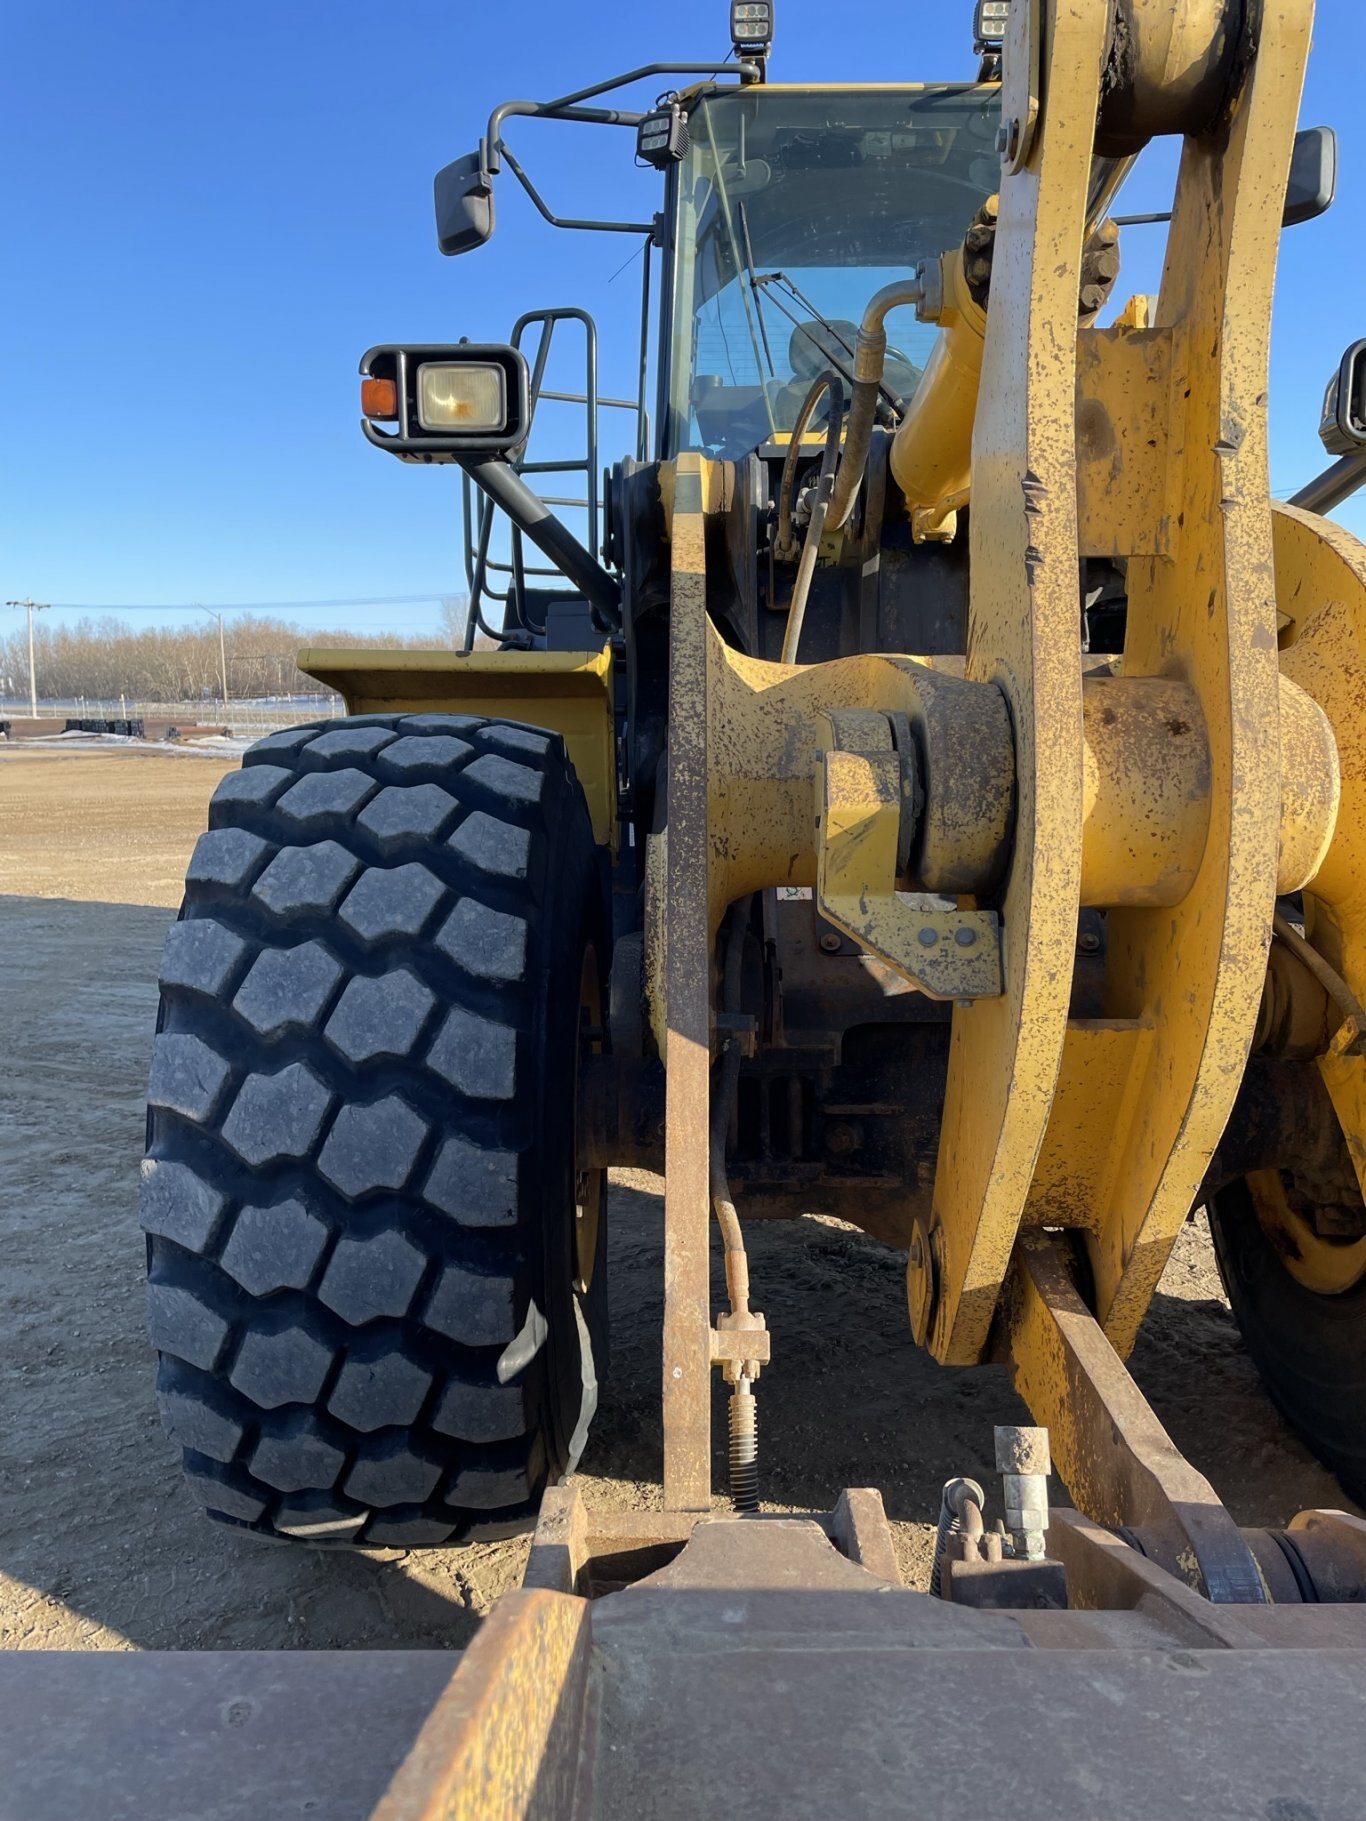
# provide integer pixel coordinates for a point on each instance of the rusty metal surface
(207, 1735)
(590, 1553)
(687, 976)
(1117, 1461)
(764, 1670)
(881, 1706)
(503, 1740)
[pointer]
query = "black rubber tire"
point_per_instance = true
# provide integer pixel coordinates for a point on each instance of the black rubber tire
(1309, 1348)
(359, 1187)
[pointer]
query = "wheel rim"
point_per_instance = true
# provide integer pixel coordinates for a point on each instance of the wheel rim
(590, 1186)
(1293, 1215)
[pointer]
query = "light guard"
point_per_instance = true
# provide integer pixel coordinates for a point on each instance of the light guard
(453, 401)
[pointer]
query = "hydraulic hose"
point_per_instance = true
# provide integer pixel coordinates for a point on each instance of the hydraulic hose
(732, 1238)
(870, 352)
(815, 530)
(743, 1416)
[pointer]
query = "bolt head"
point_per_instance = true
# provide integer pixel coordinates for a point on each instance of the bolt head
(1088, 942)
(929, 938)
(830, 943)
(965, 937)
(1008, 138)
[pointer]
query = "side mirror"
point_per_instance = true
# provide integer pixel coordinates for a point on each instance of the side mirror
(463, 193)
(1313, 175)
(1343, 429)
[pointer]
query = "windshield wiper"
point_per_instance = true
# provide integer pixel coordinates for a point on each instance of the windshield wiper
(893, 399)
(753, 277)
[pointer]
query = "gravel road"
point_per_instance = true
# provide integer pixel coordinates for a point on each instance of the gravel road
(99, 1546)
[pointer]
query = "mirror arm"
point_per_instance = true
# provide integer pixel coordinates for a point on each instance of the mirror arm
(744, 70)
(1333, 486)
(558, 221)
(565, 106)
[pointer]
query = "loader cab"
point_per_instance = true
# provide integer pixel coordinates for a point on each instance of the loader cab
(788, 209)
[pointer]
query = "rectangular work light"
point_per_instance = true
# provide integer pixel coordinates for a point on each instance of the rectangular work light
(449, 402)
(989, 24)
(662, 136)
(751, 25)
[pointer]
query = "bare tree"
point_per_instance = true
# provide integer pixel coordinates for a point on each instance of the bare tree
(101, 660)
(454, 610)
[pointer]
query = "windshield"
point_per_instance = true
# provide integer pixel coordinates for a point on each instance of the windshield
(793, 208)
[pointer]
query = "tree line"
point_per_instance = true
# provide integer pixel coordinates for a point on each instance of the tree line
(103, 659)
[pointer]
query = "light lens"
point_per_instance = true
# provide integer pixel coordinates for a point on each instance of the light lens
(751, 21)
(463, 395)
(379, 398)
(992, 18)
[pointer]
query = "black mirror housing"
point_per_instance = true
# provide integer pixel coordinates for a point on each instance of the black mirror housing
(1342, 430)
(1313, 175)
(463, 194)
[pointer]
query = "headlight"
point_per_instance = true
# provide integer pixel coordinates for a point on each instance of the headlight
(465, 396)
(451, 401)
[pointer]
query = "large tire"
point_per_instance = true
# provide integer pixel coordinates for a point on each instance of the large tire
(1310, 1348)
(360, 1185)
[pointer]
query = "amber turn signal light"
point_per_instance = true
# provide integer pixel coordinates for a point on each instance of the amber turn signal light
(379, 398)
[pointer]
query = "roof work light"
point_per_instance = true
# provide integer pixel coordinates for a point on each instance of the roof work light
(751, 27)
(662, 136)
(989, 23)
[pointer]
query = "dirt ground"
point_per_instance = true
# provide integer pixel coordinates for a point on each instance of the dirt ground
(100, 1548)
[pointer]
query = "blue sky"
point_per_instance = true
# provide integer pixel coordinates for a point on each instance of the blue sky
(210, 212)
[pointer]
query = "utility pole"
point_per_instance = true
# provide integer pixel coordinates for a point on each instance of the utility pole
(32, 608)
(215, 613)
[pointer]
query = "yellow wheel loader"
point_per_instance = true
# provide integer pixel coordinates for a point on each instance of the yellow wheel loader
(929, 792)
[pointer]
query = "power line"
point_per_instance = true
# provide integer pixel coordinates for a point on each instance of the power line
(392, 600)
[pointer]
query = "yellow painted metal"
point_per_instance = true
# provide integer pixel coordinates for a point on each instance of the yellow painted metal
(1147, 782)
(767, 731)
(1311, 786)
(1326, 1265)
(1145, 791)
(1203, 611)
(1022, 633)
(1129, 492)
(1145, 776)
(1172, 476)
(931, 457)
(952, 955)
(1321, 586)
(569, 692)
(1180, 794)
